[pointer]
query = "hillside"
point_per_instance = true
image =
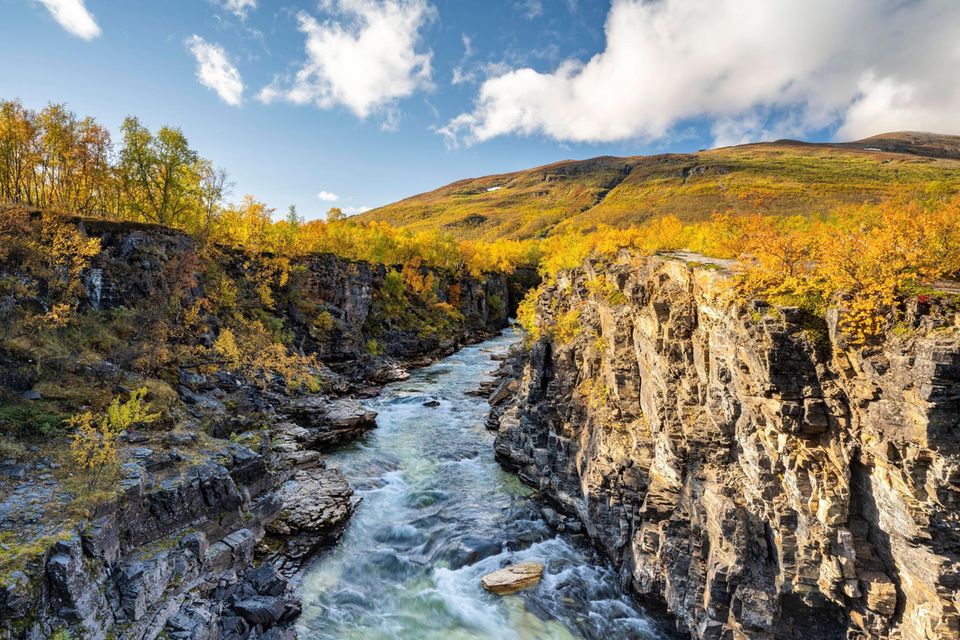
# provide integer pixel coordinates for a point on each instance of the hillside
(783, 177)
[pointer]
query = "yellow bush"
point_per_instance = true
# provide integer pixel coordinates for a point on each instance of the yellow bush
(601, 287)
(527, 316)
(94, 444)
(865, 259)
(567, 326)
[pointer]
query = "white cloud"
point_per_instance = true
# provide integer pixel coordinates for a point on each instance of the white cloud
(467, 45)
(352, 211)
(326, 196)
(365, 57)
(215, 71)
(74, 17)
(752, 69)
(240, 7)
(530, 9)
(460, 76)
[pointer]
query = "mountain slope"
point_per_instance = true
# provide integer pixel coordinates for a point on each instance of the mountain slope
(784, 177)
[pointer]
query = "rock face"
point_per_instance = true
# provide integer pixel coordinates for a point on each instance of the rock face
(739, 465)
(203, 549)
(176, 555)
(214, 516)
(332, 304)
(314, 508)
(514, 578)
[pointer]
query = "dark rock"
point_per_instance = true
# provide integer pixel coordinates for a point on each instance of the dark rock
(234, 628)
(267, 581)
(196, 543)
(260, 610)
(330, 423)
(316, 504)
(101, 539)
(180, 438)
(71, 594)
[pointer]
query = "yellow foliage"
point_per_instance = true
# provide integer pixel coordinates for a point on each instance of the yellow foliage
(226, 347)
(865, 259)
(601, 287)
(569, 250)
(527, 316)
(595, 393)
(52, 254)
(422, 284)
(94, 444)
(256, 353)
(567, 326)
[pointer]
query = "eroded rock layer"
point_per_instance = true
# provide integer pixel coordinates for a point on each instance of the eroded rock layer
(740, 466)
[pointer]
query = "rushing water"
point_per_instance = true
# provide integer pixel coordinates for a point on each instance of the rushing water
(437, 514)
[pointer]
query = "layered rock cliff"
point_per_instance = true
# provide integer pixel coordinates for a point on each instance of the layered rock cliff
(139, 262)
(216, 508)
(738, 462)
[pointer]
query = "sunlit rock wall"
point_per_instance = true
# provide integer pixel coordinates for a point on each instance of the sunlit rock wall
(739, 466)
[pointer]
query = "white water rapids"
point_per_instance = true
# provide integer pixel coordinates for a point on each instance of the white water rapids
(437, 514)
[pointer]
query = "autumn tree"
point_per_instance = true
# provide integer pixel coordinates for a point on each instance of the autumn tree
(212, 189)
(159, 175)
(250, 349)
(53, 159)
(248, 224)
(42, 259)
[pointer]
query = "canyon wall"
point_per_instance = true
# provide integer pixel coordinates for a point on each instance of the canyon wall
(217, 507)
(139, 262)
(738, 462)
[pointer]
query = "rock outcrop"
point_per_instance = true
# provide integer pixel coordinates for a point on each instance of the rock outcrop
(742, 465)
(201, 549)
(332, 304)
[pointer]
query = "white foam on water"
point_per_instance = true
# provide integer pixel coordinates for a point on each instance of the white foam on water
(437, 514)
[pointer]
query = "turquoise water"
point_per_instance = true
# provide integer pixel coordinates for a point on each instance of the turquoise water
(437, 514)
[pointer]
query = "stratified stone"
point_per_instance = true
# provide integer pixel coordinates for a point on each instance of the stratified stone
(315, 507)
(741, 462)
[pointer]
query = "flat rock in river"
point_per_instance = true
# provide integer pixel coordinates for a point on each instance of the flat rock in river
(513, 578)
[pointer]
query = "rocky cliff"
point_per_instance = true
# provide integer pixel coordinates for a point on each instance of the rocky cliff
(215, 509)
(738, 462)
(139, 262)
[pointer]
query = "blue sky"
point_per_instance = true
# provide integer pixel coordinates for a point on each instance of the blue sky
(395, 97)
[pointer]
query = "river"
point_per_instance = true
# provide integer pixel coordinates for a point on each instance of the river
(437, 514)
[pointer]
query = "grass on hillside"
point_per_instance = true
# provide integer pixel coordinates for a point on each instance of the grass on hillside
(784, 178)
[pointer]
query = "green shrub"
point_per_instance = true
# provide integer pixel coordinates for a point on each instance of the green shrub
(496, 305)
(374, 347)
(33, 421)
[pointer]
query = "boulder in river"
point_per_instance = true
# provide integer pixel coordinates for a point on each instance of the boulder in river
(513, 578)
